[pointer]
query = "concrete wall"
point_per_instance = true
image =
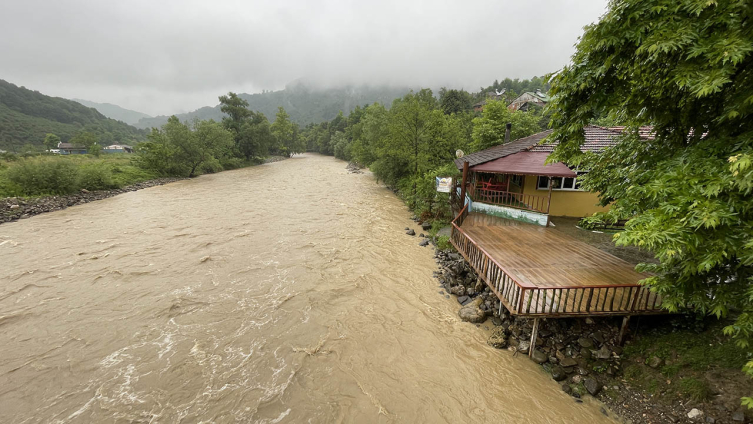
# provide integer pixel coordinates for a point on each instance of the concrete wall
(509, 213)
(566, 203)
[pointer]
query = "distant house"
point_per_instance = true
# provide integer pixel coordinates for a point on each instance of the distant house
(118, 148)
(513, 180)
(528, 100)
(497, 95)
(70, 149)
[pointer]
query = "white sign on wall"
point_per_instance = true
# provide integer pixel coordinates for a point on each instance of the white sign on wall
(444, 184)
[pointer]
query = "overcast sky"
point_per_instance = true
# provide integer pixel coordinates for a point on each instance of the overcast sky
(169, 56)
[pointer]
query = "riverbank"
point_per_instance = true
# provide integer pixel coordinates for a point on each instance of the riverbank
(15, 208)
(671, 369)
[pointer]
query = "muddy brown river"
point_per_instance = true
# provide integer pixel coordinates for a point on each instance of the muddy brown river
(285, 293)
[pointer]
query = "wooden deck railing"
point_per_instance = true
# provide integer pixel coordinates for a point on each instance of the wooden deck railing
(530, 202)
(529, 300)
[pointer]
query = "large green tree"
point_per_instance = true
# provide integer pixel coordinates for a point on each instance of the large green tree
(285, 133)
(686, 68)
(251, 130)
(489, 128)
(182, 149)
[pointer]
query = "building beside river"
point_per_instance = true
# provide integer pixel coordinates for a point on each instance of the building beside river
(513, 180)
(506, 199)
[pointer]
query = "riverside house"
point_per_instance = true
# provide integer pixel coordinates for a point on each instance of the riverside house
(513, 181)
(70, 149)
(509, 193)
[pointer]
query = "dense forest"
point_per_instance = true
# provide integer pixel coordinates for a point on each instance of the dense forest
(302, 102)
(130, 117)
(415, 139)
(26, 117)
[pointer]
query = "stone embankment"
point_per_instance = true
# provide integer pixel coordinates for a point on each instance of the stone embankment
(582, 355)
(14, 208)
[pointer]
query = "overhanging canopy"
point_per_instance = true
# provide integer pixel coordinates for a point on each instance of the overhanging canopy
(525, 163)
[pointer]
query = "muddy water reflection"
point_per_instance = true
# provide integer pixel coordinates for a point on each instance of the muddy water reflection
(280, 293)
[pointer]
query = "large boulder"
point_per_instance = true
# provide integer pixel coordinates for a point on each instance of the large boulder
(472, 312)
(498, 338)
(592, 385)
(458, 290)
(558, 374)
(603, 353)
(539, 357)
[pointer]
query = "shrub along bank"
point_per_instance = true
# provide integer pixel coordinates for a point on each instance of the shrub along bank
(61, 175)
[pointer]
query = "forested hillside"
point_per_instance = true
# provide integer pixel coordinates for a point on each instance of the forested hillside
(116, 112)
(26, 116)
(304, 104)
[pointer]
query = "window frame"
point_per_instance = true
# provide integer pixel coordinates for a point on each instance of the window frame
(576, 186)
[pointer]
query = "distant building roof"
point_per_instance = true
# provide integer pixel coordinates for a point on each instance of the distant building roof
(596, 140)
(70, 146)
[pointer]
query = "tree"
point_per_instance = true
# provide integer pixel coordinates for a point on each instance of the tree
(686, 68)
(455, 101)
(180, 149)
(236, 110)
(87, 140)
(51, 141)
(251, 131)
(419, 138)
(489, 128)
(284, 132)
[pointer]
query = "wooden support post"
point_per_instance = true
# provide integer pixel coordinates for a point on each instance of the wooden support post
(534, 334)
(549, 202)
(623, 329)
(464, 184)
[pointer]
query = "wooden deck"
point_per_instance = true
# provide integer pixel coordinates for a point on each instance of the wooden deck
(540, 272)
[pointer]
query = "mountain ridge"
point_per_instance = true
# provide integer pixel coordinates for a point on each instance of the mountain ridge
(303, 103)
(115, 112)
(26, 116)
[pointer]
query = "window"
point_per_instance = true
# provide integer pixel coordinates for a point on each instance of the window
(559, 183)
(517, 180)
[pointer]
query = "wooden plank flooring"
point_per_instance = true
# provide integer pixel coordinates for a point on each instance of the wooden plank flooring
(564, 276)
(545, 257)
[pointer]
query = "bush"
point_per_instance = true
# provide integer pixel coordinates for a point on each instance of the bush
(229, 163)
(44, 176)
(96, 176)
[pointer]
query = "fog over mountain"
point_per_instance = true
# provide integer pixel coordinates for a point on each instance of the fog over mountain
(178, 55)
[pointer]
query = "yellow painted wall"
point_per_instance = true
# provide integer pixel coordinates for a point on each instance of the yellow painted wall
(566, 203)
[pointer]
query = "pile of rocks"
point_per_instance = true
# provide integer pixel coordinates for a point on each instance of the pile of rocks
(575, 351)
(14, 208)
(353, 168)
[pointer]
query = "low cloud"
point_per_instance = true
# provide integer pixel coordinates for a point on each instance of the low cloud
(162, 57)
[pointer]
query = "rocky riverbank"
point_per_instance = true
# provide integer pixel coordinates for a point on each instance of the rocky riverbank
(584, 357)
(14, 208)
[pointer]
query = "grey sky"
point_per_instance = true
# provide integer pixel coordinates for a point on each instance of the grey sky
(168, 56)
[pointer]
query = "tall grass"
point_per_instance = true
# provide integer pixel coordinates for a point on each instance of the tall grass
(62, 175)
(43, 176)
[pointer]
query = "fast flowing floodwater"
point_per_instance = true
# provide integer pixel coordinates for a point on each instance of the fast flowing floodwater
(281, 293)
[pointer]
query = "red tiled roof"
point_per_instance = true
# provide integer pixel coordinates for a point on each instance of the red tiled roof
(501, 150)
(596, 140)
(525, 163)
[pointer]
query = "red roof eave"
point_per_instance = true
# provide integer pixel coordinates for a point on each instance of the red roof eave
(525, 163)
